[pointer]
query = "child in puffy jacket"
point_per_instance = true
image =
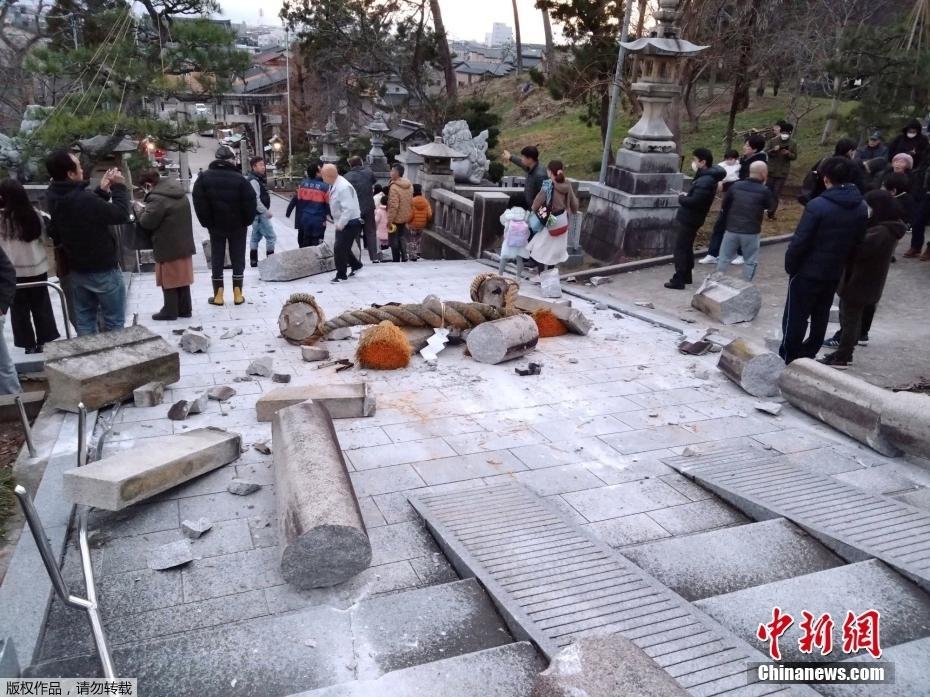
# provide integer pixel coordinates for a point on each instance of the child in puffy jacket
(381, 222)
(422, 216)
(516, 237)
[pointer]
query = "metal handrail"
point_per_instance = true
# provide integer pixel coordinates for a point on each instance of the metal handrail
(27, 429)
(61, 295)
(90, 603)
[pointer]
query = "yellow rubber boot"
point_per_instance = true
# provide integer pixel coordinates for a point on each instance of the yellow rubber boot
(238, 298)
(217, 298)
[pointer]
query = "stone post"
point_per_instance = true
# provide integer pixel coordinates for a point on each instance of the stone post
(486, 224)
(183, 171)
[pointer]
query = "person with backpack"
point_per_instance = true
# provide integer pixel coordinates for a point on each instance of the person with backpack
(261, 226)
(311, 200)
(516, 238)
(693, 208)
(226, 205)
(421, 217)
(782, 151)
(22, 238)
(864, 277)
(831, 228)
(555, 202)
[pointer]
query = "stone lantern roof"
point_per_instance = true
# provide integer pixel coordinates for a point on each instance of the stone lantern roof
(438, 150)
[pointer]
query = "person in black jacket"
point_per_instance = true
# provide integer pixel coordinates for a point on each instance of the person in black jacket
(9, 380)
(692, 212)
(913, 142)
(225, 204)
(80, 226)
(830, 230)
(363, 181)
(262, 226)
(743, 207)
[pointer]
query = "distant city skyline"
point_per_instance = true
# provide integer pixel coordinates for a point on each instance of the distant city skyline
(470, 20)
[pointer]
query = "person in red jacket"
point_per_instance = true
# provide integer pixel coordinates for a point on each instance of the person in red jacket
(421, 217)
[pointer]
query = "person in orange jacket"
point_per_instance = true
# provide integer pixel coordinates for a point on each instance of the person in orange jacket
(422, 216)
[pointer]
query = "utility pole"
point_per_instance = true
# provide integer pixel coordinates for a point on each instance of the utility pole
(290, 146)
(615, 91)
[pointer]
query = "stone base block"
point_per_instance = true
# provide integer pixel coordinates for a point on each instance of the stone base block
(342, 401)
(649, 163)
(297, 263)
(727, 299)
(643, 184)
(118, 481)
(618, 225)
(102, 369)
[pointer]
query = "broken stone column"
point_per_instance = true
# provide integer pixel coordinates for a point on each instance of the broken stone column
(297, 263)
(322, 536)
(342, 401)
(298, 322)
(607, 665)
(849, 404)
(117, 481)
(905, 422)
(101, 369)
(727, 299)
(574, 319)
(752, 367)
(503, 339)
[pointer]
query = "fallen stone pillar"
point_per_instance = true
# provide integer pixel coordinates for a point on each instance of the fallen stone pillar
(905, 422)
(322, 536)
(126, 477)
(297, 263)
(574, 319)
(727, 299)
(503, 339)
(752, 367)
(847, 403)
(342, 401)
(101, 369)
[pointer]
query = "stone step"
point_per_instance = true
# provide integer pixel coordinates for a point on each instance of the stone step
(306, 650)
(911, 674)
(504, 671)
(903, 606)
(728, 560)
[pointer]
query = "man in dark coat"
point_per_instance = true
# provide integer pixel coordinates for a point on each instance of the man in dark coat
(831, 228)
(872, 148)
(692, 212)
(864, 278)
(363, 181)
(225, 204)
(80, 227)
(743, 207)
(913, 142)
(9, 380)
(535, 174)
(782, 151)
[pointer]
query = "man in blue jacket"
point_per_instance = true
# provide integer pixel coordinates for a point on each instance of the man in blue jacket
(832, 227)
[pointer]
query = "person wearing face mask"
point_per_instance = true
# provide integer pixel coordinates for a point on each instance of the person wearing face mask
(782, 151)
(166, 216)
(914, 143)
(692, 212)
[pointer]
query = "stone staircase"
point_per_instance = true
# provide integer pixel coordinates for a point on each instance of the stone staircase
(388, 640)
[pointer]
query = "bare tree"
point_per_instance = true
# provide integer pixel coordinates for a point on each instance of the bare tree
(519, 46)
(445, 55)
(547, 29)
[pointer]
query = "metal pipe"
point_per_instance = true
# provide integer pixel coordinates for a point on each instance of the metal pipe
(93, 611)
(61, 296)
(82, 435)
(615, 90)
(27, 429)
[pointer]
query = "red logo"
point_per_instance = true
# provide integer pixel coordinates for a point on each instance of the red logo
(774, 629)
(860, 632)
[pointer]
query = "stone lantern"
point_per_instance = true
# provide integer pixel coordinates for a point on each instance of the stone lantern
(410, 134)
(329, 141)
(632, 215)
(437, 165)
(376, 157)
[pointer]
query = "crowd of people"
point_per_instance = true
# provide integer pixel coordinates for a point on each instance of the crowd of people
(858, 203)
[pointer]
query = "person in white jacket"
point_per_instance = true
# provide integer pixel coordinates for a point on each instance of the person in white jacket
(347, 219)
(22, 237)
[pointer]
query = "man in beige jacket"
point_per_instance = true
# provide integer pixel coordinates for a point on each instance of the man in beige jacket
(400, 210)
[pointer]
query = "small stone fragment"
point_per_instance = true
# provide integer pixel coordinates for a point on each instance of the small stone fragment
(691, 452)
(602, 306)
(312, 354)
(178, 332)
(195, 341)
(263, 367)
(150, 394)
(773, 408)
(688, 320)
(195, 528)
(241, 487)
(170, 555)
(231, 333)
(339, 334)
(198, 404)
(281, 377)
(600, 280)
(643, 303)
(179, 410)
(221, 393)
(262, 447)
(572, 360)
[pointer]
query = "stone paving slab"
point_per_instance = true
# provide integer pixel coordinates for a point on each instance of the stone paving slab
(911, 674)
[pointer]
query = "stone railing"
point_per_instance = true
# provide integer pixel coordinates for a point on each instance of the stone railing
(470, 226)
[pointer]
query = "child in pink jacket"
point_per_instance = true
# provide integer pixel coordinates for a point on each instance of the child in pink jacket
(381, 222)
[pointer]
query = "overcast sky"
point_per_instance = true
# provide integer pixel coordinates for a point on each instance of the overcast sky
(465, 19)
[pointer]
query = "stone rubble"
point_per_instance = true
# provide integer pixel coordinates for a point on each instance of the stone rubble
(221, 393)
(195, 341)
(312, 354)
(262, 367)
(241, 487)
(193, 529)
(170, 556)
(150, 394)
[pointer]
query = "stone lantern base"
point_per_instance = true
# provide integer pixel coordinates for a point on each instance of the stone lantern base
(632, 215)
(435, 180)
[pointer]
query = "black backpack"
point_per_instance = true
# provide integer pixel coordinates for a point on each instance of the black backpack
(812, 186)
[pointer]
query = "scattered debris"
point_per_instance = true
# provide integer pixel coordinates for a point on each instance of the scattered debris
(245, 378)
(644, 303)
(241, 487)
(531, 369)
(262, 447)
(281, 377)
(602, 306)
(312, 354)
(573, 360)
(311, 643)
(345, 366)
(179, 410)
(195, 528)
(339, 334)
(691, 452)
(571, 279)
(150, 394)
(178, 332)
(773, 408)
(198, 328)
(688, 320)
(170, 556)
(195, 342)
(694, 348)
(262, 367)
(617, 315)
(699, 372)
(231, 333)
(600, 280)
(221, 393)
(199, 404)
(338, 361)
